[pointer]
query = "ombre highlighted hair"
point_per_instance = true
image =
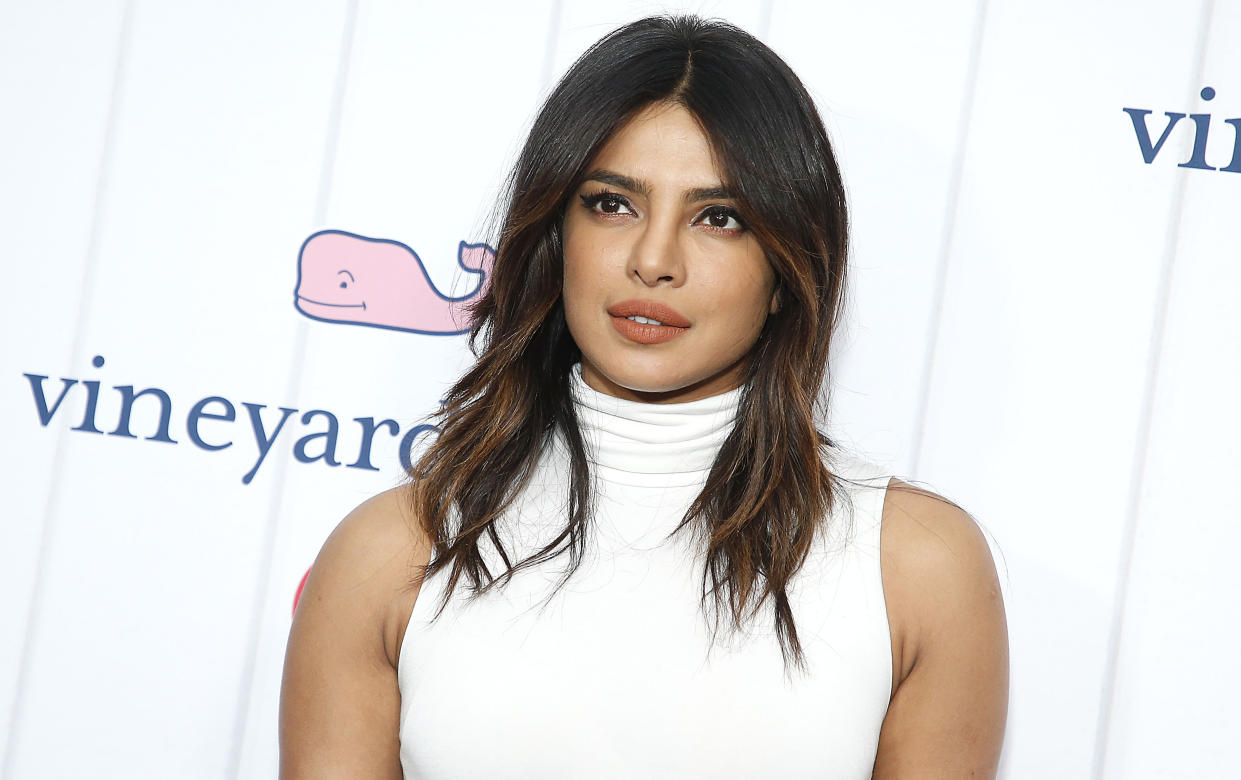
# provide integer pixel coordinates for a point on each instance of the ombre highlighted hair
(769, 489)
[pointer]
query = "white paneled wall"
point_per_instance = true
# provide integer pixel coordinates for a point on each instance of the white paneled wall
(52, 165)
(1057, 248)
(1177, 618)
(1043, 327)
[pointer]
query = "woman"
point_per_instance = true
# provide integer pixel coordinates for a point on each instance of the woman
(642, 558)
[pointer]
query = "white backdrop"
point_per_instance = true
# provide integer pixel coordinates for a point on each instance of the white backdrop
(1044, 328)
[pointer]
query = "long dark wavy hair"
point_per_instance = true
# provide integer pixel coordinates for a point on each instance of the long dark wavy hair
(769, 488)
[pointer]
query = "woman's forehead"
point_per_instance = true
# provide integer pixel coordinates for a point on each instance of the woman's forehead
(662, 147)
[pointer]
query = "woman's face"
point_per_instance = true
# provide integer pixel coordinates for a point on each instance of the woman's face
(651, 232)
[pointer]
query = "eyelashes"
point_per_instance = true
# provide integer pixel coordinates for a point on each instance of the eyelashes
(592, 200)
(725, 212)
(614, 199)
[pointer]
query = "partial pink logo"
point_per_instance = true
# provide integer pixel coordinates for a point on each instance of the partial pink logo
(343, 277)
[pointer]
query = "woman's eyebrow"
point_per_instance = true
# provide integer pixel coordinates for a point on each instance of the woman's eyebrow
(604, 176)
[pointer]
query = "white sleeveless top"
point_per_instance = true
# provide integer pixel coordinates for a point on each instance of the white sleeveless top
(612, 678)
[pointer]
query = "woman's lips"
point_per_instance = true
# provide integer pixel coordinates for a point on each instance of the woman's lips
(651, 310)
(672, 323)
(646, 334)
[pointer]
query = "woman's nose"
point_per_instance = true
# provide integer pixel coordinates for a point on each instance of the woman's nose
(657, 255)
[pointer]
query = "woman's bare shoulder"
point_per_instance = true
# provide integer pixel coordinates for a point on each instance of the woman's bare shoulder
(950, 640)
(376, 550)
(932, 548)
(382, 526)
(340, 698)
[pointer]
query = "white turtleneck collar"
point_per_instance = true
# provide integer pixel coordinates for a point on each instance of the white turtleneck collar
(646, 444)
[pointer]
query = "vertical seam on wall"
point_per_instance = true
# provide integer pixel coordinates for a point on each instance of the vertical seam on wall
(301, 335)
(51, 506)
(939, 290)
(549, 51)
(764, 21)
(1137, 480)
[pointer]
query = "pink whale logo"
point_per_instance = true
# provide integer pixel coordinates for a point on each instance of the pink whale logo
(347, 278)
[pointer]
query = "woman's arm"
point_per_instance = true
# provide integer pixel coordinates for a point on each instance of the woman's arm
(947, 717)
(339, 701)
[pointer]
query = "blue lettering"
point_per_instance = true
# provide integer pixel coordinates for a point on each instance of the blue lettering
(199, 411)
(1149, 150)
(407, 444)
(369, 426)
(328, 455)
(1235, 165)
(1198, 159)
(40, 400)
(219, 408)
(127, 402)
(92, 401)
(261, 438)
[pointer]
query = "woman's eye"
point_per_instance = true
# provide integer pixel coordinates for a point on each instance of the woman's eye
(722, 218)
(606, 203)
